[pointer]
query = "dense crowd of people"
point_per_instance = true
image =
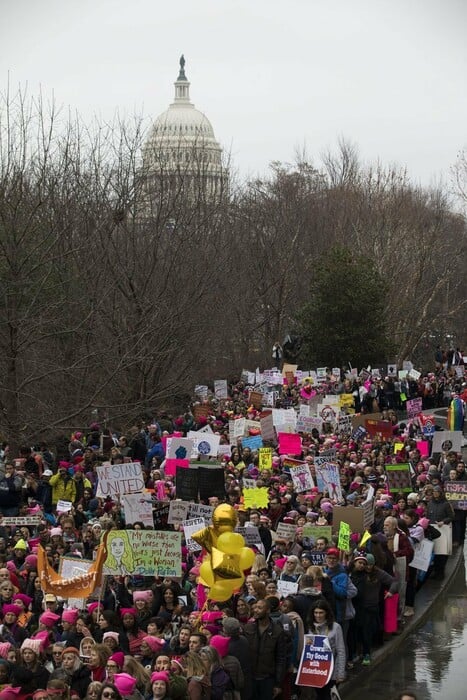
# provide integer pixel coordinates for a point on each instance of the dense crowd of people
(148, 638)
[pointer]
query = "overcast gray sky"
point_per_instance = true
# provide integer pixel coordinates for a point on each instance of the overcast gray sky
(388, 75)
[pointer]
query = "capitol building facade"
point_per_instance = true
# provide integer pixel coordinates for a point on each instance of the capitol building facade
(181, 152)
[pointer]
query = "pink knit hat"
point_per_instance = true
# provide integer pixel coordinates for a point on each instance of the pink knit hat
(119, 658)
(142, 595)
(128, 611)
(111, 635)
(4, 649)
(221, 644)
(70, 615)
(154, 643)
(11, 608)
(160, 676)
(49, 619)
(43, 638)
(32, 644)
(25, 599)
(124, 683)
(93, 606)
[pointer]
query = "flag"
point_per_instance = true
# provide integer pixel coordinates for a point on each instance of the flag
(75, 587)
(366, 536)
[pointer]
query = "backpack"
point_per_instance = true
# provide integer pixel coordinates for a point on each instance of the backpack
(220, 683)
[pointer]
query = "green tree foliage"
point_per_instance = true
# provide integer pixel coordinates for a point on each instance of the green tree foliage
(344, 319)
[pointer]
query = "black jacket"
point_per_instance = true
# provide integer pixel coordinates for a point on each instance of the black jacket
(268, 651)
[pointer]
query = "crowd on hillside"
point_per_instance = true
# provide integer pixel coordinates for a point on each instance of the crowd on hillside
(145, 638)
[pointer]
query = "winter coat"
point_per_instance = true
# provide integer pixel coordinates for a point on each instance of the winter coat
(80, 680)
(11, 488)
(439, 511)
(336, 640)
(339, 579)
(268, 651)
(63, 489)
(369, 587)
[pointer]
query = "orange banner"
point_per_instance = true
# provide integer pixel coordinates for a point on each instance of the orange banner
(76, 587)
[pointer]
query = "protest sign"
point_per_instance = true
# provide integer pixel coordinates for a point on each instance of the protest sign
(398, 478)
(312, 532)
(288, 368)
(178, 512)
(199, 510)
(344, 425)
(301, 477)
(160, 514)
(20, 520)
(256, 498)
(189, 528)
(179, 448)
(305, 424)
(368, 508)
(328, 480)
(64, 506)
(248, 483)
(250, 534)
(205, 429)
(256, 399)
(220, 389)
(329, 413)
(265, 458)
(317, 558)
(346, 401)
(254, 442)
(423, 446)
(201, 411)
(422, 555)
(304, 411)
(201, 390)
(343, 542)
(70, 567)
(447, 441)
(350, 515)
(205, 444)
(289, 444)
(236, 429)
(286, 531)
(285, 588)
(443, 544)
(379, 428)
(143, 553)
(138, 508)
(358, 433)
(186, 484)
(456, 494)
(317, 662)
(117, 479)
(211, 482)
(224, 451)
(413, 406)
(267, 426)
(284, 416)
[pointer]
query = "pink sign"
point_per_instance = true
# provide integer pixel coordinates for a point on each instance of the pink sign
(171, 465)
(423, 446)
(289, 444)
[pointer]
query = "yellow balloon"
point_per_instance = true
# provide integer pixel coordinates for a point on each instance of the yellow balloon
(230, 542)
(247, 557)
(206, 573)
(221, 591)
(224, 518)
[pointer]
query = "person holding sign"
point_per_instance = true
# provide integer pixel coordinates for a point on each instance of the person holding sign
(321, 622)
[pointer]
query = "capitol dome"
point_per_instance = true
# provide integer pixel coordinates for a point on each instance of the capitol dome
(181, 141)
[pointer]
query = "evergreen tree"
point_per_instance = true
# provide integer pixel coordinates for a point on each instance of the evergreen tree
(344, 319)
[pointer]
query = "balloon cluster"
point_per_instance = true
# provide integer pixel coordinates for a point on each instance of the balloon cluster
(227, 557)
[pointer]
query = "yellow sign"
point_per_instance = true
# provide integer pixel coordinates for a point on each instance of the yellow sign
(265, 458)
(343, 542)
(256, 498)
(398, 446)
(346, 400)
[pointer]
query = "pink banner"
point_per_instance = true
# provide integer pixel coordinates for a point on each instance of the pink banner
(289, 444)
